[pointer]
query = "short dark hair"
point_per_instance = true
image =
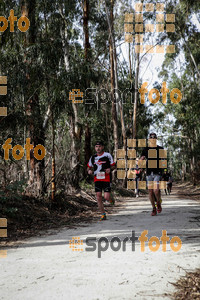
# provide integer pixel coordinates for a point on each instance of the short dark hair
(153, 133)
(99, 143)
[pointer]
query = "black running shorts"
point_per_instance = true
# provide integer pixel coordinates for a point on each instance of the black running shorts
(102, 185)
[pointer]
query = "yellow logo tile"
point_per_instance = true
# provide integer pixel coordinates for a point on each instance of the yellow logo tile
(142, 185)
(131, 163)
(121, 164)
(152, 164)
(128, 17)
(152, 153)
(131, 143)
(141, 164)
(121, 174)
(162, 153)
(131, 185)
(121, 153)
(163, 184)
(3, 253)
(141, 143)
(132, 153)
(163, 164)
(131, 174)
(75, 243)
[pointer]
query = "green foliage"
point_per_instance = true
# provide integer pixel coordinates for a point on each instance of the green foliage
(13, 191)
(183, 129)
(10, 196)
(59, 35)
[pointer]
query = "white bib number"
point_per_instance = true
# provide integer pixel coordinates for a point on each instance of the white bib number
(101, 175)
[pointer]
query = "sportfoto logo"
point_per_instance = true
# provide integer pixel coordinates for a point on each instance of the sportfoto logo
(102, 244)
(3, 92)
(103, 96)
(137, 25)
(23, 23)
(3, 234)
(126, 163)
(3, 227)
(18, 150)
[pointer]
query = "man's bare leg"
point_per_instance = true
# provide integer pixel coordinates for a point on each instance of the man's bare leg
(151, 198)
(100, 202)
(157, 191)
(157, 195)
(107, 196)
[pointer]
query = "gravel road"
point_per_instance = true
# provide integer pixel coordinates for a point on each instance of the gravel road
(47, 267)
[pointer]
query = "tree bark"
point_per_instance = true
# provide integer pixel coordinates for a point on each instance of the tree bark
(107, 130)
(36, 182)
(118, 100)
(136, 97)
(85, 27)
(75, 133)
(75, 128)
(53, 184)
(112, 79)
(87, 144)
(87, 81)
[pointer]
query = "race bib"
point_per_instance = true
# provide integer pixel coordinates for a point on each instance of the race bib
(100, 175)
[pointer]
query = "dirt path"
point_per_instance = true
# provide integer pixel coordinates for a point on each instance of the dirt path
(47, 268)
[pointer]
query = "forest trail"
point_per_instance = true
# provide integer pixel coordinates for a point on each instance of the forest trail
(47, 268)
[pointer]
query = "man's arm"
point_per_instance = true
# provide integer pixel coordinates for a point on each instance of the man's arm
(110, 169)
(144, 154)
(90, 167)
(89, 170)
(112, 165)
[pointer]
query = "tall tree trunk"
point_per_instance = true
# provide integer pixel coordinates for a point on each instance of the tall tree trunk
(118, 100)
(107, 129)
(192, 161)
(53, 184)
(87, 144)
(75, 128)
(136, 93)
(87, 82)
(136, 97)
(75, 133)
(114, 54)
(36, 182)
(85, 27)
(183, 173)
(193, 60)
(131, 83)
(112, 78)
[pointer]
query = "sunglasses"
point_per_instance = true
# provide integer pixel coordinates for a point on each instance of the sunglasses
(153, 137)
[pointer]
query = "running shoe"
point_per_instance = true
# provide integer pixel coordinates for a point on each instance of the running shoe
(154, 212)
(159, 207)
(103, 217)
(156, 201)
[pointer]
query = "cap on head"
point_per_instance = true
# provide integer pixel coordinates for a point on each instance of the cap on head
(99, 143)
(153, 135)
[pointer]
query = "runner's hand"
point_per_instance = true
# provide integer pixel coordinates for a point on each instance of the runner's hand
(107, 171)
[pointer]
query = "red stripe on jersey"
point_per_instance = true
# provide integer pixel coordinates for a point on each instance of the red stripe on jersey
(106, 179)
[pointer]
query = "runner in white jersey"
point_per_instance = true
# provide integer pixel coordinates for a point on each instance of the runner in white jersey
(101, 163)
